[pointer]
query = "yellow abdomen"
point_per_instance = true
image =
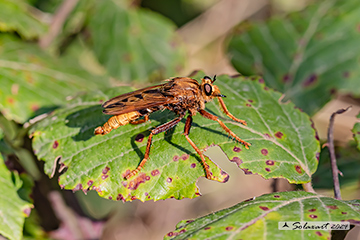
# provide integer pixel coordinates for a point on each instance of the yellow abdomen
(116, 121)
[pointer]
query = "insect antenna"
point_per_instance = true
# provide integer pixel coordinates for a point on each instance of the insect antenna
(214, 79)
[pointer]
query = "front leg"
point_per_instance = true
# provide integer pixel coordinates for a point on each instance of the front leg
(215, 118)
(186, 133)
(226, 111)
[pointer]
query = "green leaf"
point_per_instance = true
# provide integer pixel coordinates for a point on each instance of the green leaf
(308, 55)
(356, 132)
(348, 162)
(258, 218)
(283, 144)
(133, 43)
(15, 16)
(13, 209)
(33, 82)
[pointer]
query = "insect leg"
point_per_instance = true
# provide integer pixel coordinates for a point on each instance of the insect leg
(215, 118)
(157, 130)
(226, 111)
(186, 133)
(146, 118)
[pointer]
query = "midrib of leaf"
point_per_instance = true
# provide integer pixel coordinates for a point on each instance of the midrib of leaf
(308, 34)
(305, 167)
(258, 59)
(274, 47)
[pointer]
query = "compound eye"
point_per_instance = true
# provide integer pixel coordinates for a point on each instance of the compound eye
(207, 89)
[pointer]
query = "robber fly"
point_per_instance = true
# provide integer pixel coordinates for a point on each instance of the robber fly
(180, 95)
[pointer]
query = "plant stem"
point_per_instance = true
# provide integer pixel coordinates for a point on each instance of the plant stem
(335, 170)
(57, 22)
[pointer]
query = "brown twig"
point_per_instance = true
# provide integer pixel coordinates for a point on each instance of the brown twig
(335, 170)
(57, 22)
(217, 21)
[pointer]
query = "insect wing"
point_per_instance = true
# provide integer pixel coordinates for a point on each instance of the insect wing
(122, 97)
(137, 100)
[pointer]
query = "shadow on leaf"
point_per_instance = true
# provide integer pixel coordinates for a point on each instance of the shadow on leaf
(87, 120)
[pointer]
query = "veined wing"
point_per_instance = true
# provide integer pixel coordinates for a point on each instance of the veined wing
(137, 100)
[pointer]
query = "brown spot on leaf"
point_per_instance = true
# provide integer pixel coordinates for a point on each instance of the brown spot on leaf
(139, 137)
(10, 100)
(317, 156)
(27, 211)
(248, 105)
(133, 198)
(237, 160)
(332, 207)
(207, 228)
(120, 197)
(298, 169)
(264, 152)
(193, 165)
(127, 57)
(249, 100)
(318, 233)
(276, 196)
(270, 162)
(105, 170)
(62, 186)
(90, 182)
(110, 197)
(77, 187)
(15, 89)
(147, 178)
(134, 184)
(170, 234)
(264, 208)
(169, 180)
(261, 80)
(312, 210)
(286, 78)
(313, 216)
(343, 212)
(55, 144)
(346, 74)
(266, 88)
(310, 80)
(34, 107)
(268, 169)
(226, 178)
(236, 149)
(103, 177)
(279, 135)
(185, 157)
(247, 171)
(155, 172)
(176, 158)
(182, 231)
(229, 228)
